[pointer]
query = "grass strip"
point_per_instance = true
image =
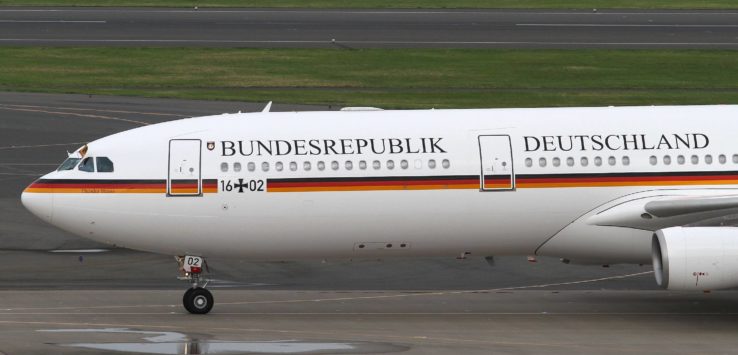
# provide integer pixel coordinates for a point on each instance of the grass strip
(389, 78)
(409, 4)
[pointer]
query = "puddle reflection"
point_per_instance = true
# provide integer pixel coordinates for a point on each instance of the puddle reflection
(178, 343)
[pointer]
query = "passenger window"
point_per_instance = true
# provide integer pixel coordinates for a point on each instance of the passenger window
(569, 161)
(626, 160)
(528, 162)
(349, 165)
(104, 165)
(251, 166)
(265, 166)
(722, 159)
(321, 165)
(584, 161)
(695, 159)
(432, 164)
(293, 166)
(236, 166)
(334, 165)
(446, 164)
(667, 159)
(87, 165)
(224, 167)
(598, 161)
(542, 162)
(556, 162)
(376, 165)
(362, 165)
(390, 164)
(279, 166)
(653, 160)
(611, 161)
(708, 159)
(403, 164)
(680, 159)
(306, 166)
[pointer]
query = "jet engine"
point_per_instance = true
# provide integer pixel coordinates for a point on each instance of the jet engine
(695, 258)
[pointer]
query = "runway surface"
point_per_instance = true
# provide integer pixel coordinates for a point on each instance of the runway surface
(297, 28)
(65, 295)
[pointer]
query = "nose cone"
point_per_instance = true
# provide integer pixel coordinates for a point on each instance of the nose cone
(40, 204)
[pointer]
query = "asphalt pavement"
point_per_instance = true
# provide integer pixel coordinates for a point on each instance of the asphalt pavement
(301, 28)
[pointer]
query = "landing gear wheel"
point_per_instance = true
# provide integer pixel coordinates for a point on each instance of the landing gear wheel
(185, 299)
(198, 300)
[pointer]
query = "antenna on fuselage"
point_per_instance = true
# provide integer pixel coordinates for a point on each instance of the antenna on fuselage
(267, 107)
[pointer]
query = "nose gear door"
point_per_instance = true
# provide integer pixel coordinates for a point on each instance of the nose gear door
(184, 177)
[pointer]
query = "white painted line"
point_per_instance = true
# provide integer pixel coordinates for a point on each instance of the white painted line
(382, 12)
(79, 251)
(51, 21)
(41, 145)
(617, 25)
(209, 41)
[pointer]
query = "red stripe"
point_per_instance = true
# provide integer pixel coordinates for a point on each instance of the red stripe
(372, 183)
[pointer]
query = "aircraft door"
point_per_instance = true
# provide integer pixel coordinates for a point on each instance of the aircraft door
(497, 173)
(184, 178)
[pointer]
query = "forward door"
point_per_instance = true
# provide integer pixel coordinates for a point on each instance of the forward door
(184, 177)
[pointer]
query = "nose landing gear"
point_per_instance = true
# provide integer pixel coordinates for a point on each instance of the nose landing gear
(196, 300)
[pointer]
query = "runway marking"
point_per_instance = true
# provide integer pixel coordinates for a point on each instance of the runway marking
(28, 164)
(355, 298)
(352, 42)
(5, 107)
(385, 12)
(52, 21)
(617, 25)
(40, 145)
(99, 110)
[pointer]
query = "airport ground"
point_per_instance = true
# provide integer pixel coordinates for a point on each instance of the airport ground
(64, 294)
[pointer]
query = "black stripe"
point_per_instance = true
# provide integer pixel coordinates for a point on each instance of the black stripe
(379, 178)
(112, 182)
(98, 181)
(642, 174)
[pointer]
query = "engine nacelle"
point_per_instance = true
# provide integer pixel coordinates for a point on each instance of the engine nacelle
(695, 258)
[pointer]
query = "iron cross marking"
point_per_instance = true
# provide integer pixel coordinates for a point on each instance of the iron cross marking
(240, 186)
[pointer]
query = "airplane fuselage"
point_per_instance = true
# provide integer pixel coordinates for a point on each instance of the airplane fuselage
(277, 186)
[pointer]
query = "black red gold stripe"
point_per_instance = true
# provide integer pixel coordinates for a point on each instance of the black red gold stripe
(502, 182)
(119, 186)
(374, 183)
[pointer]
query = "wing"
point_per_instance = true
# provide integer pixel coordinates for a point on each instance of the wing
(663, 211)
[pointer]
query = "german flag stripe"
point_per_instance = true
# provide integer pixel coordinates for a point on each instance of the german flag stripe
(503, 181)
(120, 186)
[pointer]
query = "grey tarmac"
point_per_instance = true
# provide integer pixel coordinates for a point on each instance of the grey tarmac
(303, 28)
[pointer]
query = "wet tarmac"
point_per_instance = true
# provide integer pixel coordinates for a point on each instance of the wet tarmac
(60, 294)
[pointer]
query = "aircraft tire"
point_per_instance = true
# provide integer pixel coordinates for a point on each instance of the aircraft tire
(185, 299)
(198, 300)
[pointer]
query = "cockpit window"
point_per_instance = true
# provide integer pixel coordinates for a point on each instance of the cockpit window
(87, 165)
(104, 165)
(68, 164)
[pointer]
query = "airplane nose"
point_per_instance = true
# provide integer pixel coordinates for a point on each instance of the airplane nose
(40, 204)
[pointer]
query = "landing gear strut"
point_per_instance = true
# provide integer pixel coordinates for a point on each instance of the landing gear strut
(196, 300)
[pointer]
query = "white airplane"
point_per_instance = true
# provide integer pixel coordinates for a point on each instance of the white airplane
(588, 185)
